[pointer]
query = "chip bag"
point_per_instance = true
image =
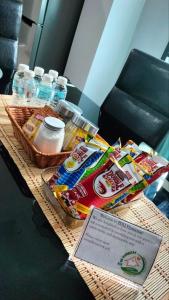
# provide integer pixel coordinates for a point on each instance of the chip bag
(73, 168)
(100, 188)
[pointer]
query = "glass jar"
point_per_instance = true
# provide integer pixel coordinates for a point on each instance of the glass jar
(50, 136)
(76, 130)
(67, 110)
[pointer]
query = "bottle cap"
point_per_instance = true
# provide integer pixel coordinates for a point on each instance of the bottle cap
(85, 124)
(62, 80)
(53, 123)
(47, 78)
(39, 71)
(23, 67)
(28, 74)
(54, 74)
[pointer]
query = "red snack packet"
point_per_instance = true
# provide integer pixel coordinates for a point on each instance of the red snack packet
(153, 167)
(104, 185)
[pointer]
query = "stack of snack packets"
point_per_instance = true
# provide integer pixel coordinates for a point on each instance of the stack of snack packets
(150, 168)
(105, 184)
(104, 178)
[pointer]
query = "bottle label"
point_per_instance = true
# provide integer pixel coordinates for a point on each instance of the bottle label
(60, 95)
(45, 94)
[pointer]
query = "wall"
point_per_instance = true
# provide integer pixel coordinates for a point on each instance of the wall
(152, 32)
(90, 27)
(112, 51)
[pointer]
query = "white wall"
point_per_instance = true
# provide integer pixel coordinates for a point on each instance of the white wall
(152, 32)
(113, 48)
(90, 27)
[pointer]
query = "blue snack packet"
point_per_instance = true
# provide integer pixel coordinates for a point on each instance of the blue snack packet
(82, 157)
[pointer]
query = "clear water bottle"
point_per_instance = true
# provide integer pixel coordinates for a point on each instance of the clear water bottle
(38, 75)
(17, 86)
(54, 74)
(29, 85)
(60, 90)
(45, 90)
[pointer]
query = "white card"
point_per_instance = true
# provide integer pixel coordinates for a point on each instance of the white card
(118, 246)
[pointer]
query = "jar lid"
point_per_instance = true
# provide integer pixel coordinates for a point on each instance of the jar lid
(68, 109)
(39, 71)
(53, 123)
(85, 124)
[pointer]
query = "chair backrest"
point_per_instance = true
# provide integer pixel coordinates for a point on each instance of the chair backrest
(147, 79)
(138, 106)
(10, 20)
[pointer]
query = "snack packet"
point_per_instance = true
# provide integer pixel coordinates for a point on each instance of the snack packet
(134, 174)
(100, 188)
(153, 167)
(73, 168)
(100, 162)
(30, 128)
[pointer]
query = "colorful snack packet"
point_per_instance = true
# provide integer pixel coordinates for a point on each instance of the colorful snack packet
(100, 162)
(98, 140)
(153, 167)
(73, 168)
(31, 127)
(133, 150)
(134, 174)
(100, 188)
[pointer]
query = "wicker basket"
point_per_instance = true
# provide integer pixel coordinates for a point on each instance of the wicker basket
(18, 116)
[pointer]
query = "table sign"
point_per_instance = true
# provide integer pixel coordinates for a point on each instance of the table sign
(126, 250)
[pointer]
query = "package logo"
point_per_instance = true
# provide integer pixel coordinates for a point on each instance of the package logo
(132, 263)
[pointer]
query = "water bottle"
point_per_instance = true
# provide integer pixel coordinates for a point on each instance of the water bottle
(17, 86)
(45, 90)
(29, 85)
(38, 75)
(60, 91)
(54, 74)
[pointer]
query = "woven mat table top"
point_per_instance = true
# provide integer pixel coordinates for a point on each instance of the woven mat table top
(141, 212)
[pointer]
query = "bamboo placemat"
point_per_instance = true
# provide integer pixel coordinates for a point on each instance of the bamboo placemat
(141, 212)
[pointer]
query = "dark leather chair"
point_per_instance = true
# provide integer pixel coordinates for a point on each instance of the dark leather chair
(10, 20)
(138, 106)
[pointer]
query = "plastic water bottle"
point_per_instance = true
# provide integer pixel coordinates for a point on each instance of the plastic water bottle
(60, 90)
(45, 90)
(17, 86)
(54, 74)
(29, 85)
(38, 75)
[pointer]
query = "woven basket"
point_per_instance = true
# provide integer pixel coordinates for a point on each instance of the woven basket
(18, 116)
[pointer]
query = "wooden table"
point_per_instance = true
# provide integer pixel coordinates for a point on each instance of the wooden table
(141, 212)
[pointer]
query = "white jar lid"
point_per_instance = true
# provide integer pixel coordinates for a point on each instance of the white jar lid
(47, 78)
(62, 80)
(39, 71)
(23, 67)
(54, 74)
(28, 74)
(53, 123)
